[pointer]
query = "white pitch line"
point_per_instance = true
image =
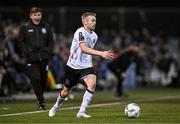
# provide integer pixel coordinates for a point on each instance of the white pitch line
(23, 113)
(96, 105)
(68, 108)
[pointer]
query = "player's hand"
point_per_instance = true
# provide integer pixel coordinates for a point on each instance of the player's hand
(109, 55)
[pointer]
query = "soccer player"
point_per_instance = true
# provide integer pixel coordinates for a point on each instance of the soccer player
(36, 43)
(79, 65)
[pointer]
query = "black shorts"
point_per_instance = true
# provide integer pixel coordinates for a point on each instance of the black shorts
(75, 76)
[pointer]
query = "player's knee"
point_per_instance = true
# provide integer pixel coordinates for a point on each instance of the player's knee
(69, 85)
(91, 86)
(90, 82)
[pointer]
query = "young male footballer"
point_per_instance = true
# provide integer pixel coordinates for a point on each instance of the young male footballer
(79, 65)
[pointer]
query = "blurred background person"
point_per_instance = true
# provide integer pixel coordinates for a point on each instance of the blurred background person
(121, 63)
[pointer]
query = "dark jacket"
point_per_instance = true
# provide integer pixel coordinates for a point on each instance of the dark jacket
(35, 41)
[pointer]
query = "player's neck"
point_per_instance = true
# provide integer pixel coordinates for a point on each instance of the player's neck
(88, 30)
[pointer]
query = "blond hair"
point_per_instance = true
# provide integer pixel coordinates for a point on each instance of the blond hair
(86, 14)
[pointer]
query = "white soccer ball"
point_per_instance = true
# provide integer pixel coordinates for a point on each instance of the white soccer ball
(132, 110)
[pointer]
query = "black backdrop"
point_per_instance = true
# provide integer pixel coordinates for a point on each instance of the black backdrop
(140, 3)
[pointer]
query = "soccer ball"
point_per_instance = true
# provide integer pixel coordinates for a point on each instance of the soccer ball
(132, 110)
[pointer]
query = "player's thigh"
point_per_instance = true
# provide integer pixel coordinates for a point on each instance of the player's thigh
(89, 77)
(90, 81)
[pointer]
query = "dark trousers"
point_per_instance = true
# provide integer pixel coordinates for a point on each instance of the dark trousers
(37, 73)
(119, 88)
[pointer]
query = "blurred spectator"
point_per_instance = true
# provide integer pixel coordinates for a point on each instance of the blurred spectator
(10, 44)
(58, 63)
(121, 63)
(106, 79)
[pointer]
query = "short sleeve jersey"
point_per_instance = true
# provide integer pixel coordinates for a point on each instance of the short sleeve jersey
(77, 58)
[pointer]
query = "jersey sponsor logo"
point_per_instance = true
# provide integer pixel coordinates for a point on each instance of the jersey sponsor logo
(43, 30)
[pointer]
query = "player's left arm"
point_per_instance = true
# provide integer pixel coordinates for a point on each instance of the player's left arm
(104, 54)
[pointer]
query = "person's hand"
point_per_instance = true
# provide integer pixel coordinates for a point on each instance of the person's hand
(108, 55)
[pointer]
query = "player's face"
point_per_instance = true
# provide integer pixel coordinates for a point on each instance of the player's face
(36, 17)
(91, 22)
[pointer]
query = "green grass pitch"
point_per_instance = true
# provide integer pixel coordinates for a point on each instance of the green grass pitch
(158, 106)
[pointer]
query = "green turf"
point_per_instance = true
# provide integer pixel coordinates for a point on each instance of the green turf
(158, 105)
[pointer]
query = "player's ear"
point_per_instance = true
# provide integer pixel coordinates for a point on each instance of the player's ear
(84, 21)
